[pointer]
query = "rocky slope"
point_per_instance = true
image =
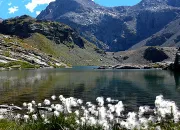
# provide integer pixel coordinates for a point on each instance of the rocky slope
(55, 40)
(117, 28)
(15, 54)
(168, 36)
(145, 55)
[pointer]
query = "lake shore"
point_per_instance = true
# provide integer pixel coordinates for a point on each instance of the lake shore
(158, 65)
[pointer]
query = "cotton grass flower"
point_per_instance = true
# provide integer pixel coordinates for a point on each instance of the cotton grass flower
(29, 105)
(39, 104)
(77, 122)
(33, 102)
(1, 117)
(108, 99)
(30, 110)
(43, 116)
(100, 101)
(61, 98)
(56, 113)
(26, 117)
(89, 104)
(53, 97)
(46, 121)
(131, 121)
(50, 109)
(47, 102)
(119, 108)
(77, 113)
(58, 107)
(34, 117)
(79, 101)
(102, 113)
(92, 121)
(143, 109)
(24, 104)
(165, 107)
(105, 114)
(82, 120)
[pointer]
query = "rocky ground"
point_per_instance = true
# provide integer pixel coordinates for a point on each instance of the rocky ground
(15, 55)
(23, 53)
(54, 39)
(144, 58)
(51, 44)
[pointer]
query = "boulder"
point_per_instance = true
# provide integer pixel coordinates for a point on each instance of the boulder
(155, 55)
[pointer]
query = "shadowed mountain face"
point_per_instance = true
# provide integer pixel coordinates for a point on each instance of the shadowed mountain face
(168, 36)
(116, 28)
(1, 20)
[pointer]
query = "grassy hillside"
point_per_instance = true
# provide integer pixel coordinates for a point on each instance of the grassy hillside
(16, 54)
(74, 55)
(56, 40)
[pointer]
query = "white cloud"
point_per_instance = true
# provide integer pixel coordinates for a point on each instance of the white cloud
(34, 3)
(12, 10)
(38, 12)
(10, 4)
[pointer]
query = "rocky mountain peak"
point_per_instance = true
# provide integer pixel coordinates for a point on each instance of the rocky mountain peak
(117, 27)
(66, 6)
(86, 3)
(158, 3)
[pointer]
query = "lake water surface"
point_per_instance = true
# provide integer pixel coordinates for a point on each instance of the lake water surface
(133, 87)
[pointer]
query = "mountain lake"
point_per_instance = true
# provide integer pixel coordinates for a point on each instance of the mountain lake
(133, 87)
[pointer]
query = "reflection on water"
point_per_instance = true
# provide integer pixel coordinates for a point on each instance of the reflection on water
(133, 87)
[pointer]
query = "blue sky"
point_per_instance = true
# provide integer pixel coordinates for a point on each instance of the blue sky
(12, 8)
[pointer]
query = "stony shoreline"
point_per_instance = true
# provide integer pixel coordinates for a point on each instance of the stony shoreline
(159, 65)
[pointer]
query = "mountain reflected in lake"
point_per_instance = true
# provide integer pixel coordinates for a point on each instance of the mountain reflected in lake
(133, 87)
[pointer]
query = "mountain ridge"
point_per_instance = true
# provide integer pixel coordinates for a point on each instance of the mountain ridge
(113, 28)
(54, 39)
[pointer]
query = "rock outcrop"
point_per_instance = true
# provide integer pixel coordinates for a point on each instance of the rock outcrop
(24, 26)
(115, 28)
(16, 54)
(54, 39)
(145, 55)
(155, 55)
(168, 36)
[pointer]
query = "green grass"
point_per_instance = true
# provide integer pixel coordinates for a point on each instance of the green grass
(7, 53)
(8, 125)
(72, 54)
(60, 123)
(67, 52)
(18, 64)
(42, 43)
(54, 123)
